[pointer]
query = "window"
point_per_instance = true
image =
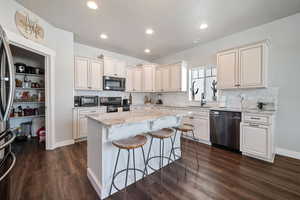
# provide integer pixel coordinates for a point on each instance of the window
(201, 82)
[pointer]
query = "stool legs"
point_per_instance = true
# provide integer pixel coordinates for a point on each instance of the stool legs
(197, 155)
(134, 165)
(148, 157)
(115, 169)
(128, 159)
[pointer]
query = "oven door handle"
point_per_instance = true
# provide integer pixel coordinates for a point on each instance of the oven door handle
(13, 136)
(10, 167)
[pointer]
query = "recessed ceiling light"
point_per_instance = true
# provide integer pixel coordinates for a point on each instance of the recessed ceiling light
(203, 26)
(92, 4)
(103, 36)
(149, 31)
(147, 50)
(196, 41)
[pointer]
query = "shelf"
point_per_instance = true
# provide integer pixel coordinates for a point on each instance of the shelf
(29, 102)
(34, 75)
(20, 88)
(24, 117)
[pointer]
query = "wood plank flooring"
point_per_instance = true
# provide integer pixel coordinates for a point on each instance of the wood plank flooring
(61, 175)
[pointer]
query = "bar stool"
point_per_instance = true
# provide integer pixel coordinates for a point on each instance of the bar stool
(161, 135)
(128, 144)
(185, 129)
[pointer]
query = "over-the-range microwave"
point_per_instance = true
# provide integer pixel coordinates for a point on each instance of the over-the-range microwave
(113, 83)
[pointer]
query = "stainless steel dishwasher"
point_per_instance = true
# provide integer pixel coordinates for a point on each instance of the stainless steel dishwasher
(225, 129)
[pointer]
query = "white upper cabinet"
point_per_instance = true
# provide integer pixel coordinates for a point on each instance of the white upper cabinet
(158, 80)
(227, 73)
(171, 78)
(252, 61)
(96, 74)
(81, 73)
(88, 74)
(244, 67)
(148, 78)
(134, 79)
(137, 80)
(130, 79)
(166, 78)
(114, 67)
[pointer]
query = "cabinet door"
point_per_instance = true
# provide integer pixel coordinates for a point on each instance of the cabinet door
(109, 67)
(120, 68)
(81, 73)
(158, 80)
(251, 61)
(82, 127)
(137, 83)
(175, 78)
(166, 79)
(227, 70)
(255, 139)
(148, 78)
(129, 79)
(201, 128)
(96, 74)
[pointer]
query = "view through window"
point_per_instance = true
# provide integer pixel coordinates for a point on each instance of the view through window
(201, 82)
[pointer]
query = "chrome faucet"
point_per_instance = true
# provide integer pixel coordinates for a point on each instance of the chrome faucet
(203, 101)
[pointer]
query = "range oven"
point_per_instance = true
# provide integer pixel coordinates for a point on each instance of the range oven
(113, 104)
(86, 101)
(113, 83)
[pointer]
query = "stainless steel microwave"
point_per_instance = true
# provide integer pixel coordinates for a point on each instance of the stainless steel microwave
(113, 83)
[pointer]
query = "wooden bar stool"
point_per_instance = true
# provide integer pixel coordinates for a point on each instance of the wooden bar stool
(128, 144)
(185, 129)
(161, 135)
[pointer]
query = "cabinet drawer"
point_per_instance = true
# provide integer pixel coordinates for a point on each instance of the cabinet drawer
(253, 118)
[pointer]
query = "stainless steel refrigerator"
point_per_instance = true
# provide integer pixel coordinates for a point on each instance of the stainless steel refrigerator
(7, 91)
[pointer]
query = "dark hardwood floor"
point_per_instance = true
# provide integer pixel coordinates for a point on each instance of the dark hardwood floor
(61, 174)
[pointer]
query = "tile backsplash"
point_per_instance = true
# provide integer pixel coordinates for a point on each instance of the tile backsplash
(246, 98)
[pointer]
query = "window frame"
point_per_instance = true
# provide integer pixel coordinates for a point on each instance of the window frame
(205, 77)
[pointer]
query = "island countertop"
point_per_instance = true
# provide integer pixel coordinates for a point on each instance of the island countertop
(121, 118)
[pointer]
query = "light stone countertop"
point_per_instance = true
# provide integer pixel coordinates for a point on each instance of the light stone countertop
(124, 118)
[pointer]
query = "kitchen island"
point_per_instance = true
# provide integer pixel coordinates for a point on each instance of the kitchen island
(105, 128)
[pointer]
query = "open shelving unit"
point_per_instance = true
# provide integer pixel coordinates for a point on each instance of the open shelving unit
(30, 93)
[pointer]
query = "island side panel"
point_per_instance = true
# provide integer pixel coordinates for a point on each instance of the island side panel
(94, 154)
(109, 152)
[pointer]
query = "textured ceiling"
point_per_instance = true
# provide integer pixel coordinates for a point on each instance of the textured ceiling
(175, 22)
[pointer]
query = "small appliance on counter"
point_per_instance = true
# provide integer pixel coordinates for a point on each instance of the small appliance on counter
(86, 101)
(159, 101)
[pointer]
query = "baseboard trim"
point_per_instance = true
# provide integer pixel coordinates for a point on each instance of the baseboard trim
(96, 185)
(288, 153)
(64, 143)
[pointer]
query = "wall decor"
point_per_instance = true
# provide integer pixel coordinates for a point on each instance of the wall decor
(29, 27)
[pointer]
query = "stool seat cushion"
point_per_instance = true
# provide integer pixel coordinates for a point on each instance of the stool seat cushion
(185, 127)
(163, 133)
(131, 143)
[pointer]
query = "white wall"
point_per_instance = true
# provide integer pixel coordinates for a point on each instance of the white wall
(91, 52)
(284, 69)
(62, 42)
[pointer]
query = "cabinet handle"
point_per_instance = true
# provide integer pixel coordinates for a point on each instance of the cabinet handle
(254, 125)
(191, 118)
(255, 118)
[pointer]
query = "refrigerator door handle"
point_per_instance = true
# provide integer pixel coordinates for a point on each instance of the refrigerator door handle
(12, 138)
(10, 167)
(11, 75)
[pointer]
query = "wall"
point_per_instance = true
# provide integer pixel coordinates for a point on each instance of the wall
(62, 42)
(284, 70)
(91, 52)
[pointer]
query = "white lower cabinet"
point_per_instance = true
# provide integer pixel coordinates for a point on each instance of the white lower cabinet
(200, 121)
(80, 121)
(257, 138)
